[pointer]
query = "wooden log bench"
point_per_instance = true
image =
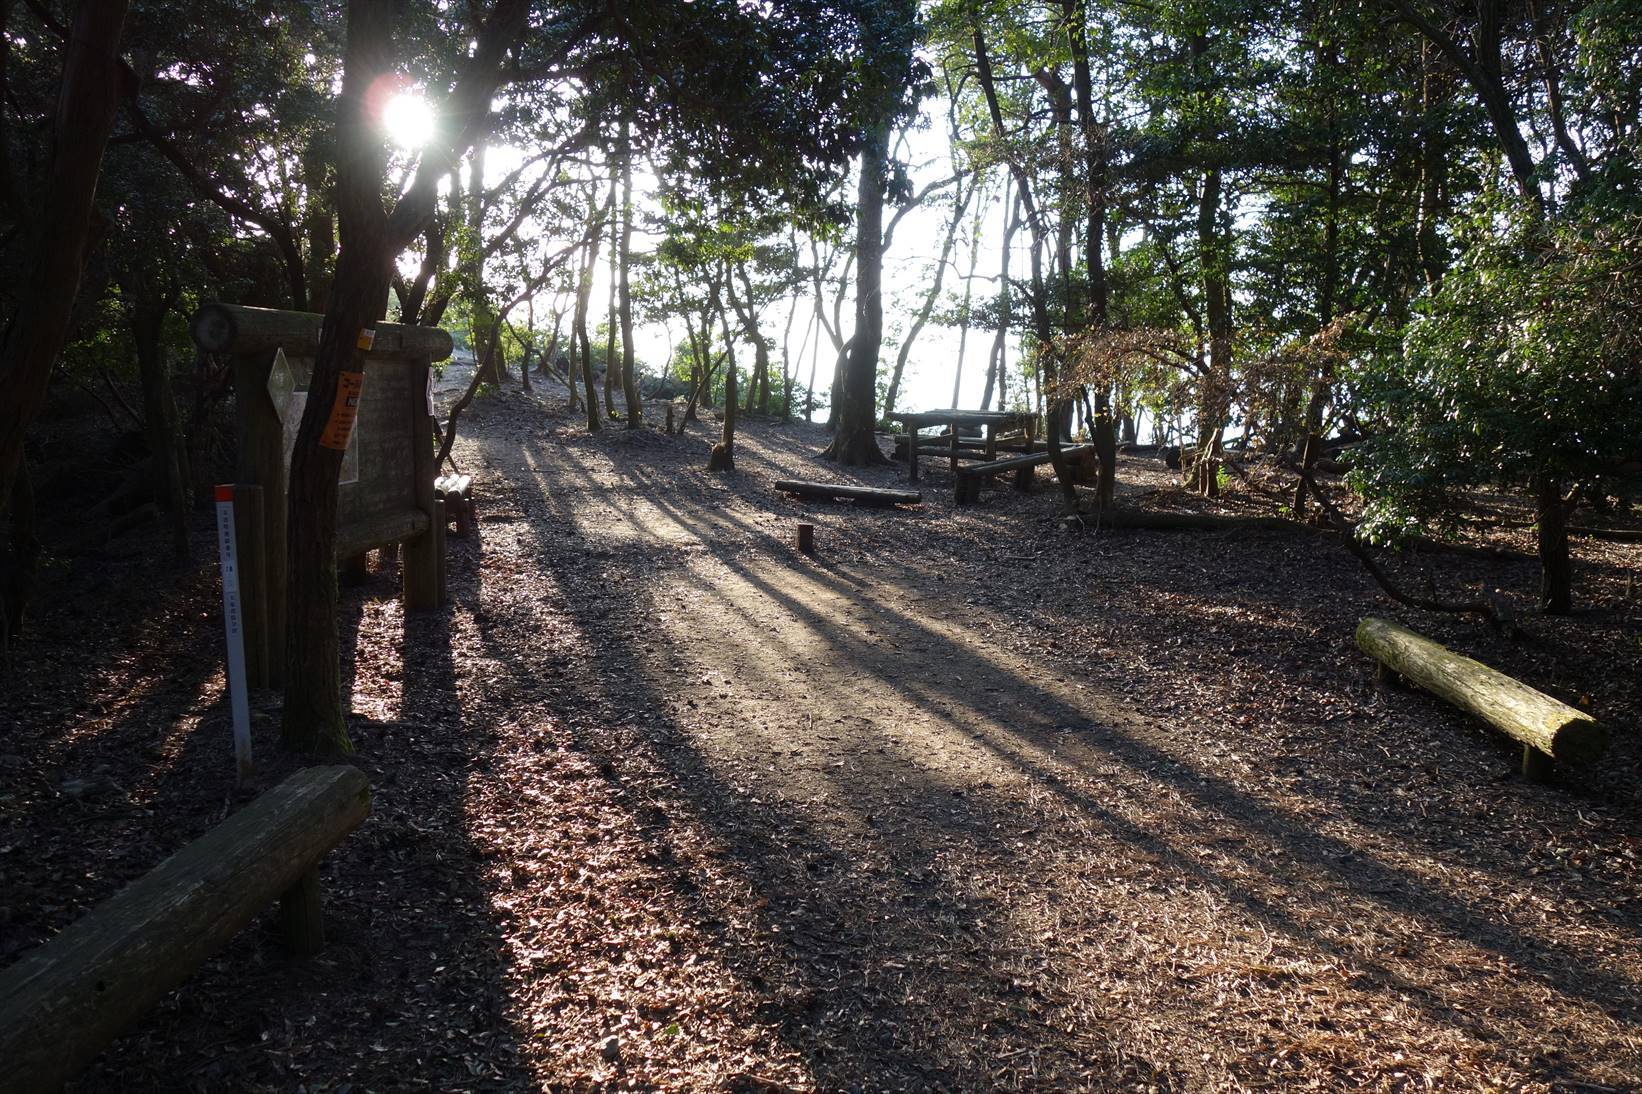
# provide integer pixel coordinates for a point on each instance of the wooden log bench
(832, 491)
(1547, 729)
(456, 491)
(942, 445)
(64, 1001)
(970, 477)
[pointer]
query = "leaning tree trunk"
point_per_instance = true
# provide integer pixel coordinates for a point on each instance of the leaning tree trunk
(969, 296)
(856, 443)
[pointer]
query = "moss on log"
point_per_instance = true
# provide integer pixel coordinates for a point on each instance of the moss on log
(1510, 706)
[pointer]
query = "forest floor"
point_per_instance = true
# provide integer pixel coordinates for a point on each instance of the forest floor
(965, 800)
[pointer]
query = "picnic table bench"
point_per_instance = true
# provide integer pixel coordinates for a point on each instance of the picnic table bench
(989, 421)
(970, 476)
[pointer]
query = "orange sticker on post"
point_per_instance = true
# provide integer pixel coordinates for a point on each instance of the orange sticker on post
(339, 427)
(366, 339)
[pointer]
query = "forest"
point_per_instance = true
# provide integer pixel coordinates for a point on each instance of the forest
(820, 544)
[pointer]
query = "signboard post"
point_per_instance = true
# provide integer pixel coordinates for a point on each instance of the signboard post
(234, 627)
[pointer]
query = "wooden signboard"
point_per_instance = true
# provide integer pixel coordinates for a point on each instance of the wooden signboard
(385, 492)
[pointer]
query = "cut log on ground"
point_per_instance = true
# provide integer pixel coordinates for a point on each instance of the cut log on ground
(1199, 522)
(872, 495)
(1542, 724)
(1616, 535)
(64, 1001)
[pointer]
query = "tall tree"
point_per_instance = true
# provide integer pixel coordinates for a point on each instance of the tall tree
(371, 239)
(58, 241)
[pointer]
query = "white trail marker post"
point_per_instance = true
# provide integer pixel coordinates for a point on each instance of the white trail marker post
(234, 627)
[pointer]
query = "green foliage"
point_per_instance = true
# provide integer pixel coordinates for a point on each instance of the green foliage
(1524, 363)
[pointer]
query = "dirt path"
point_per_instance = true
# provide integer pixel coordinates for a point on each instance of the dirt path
(964, 801)
(954, 854)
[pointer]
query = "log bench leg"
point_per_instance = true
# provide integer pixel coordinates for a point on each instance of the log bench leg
(355, 570)
(1023, 479)
(301, 916)
(441, 554)
(1536, 766)
(420, 579)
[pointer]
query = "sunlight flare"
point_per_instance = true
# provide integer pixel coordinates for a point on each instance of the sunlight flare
(408, 120)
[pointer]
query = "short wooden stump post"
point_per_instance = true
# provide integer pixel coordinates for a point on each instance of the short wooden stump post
(806, 538)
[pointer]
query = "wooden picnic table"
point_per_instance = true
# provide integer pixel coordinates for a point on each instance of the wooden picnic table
(991, 421)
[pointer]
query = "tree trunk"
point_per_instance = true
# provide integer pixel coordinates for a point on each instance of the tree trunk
(584, 345)
(996, 361)
(168, 453)
(629, 378)
(371, 240)
(809, 389)
(612, 369)
(313, 715)
(1555, 566)
(855, 444)
(1213, 397)
(22, 563)
(1433, 254)
(960, 206)
(57, 249)
(722, 457)
(319, 223)
(969, 296)
(529, 343)
(1096, 151)
(789, 368)
(1323, 382)
(758, 390)
(483, 315)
